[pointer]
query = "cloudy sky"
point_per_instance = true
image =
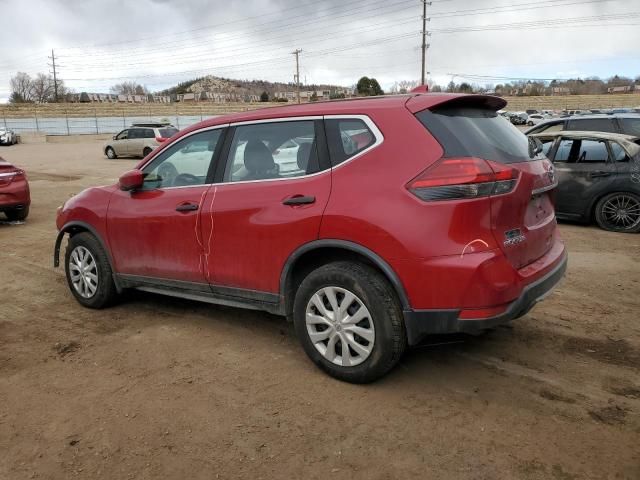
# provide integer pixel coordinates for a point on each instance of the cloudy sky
(161, 42)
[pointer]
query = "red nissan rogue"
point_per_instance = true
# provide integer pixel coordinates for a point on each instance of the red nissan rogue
(370, 223)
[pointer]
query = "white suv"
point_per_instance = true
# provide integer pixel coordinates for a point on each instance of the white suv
(138, 140)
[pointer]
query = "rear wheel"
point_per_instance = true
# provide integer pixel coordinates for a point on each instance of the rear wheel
(17, 214)
(619, 212)
(111, 153)
(88, 271)
(146, 151)
(349, 322)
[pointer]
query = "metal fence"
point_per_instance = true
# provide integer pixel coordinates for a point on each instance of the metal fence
(96, 124)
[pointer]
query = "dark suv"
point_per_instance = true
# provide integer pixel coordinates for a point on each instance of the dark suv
(370, 223)
(626, 123)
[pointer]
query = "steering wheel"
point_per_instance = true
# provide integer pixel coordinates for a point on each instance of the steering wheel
(185, 179)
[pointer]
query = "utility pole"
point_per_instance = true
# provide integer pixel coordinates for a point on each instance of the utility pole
(297, 76)
(55, 75)
(425, 45)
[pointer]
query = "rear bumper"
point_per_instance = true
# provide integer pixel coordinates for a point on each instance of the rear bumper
(420, 323)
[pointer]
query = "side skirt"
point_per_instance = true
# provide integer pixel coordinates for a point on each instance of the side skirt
(203, 292)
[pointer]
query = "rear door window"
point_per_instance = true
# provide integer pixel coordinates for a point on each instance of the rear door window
(477, 132)
(148, 133)
(593, 151)
(619, 153)
(630, 126)
(347, 137)
(592, 124)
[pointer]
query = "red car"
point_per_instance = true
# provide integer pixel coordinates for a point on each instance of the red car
(370, 223)
(15, 198)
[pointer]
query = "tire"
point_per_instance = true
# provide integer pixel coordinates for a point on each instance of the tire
(110, 153)
(17, 215)
(146, 151)
(381, 321)
(530, 124)
(104, 291)
(619, 212)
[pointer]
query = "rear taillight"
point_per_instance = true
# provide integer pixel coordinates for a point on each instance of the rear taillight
(455, 178)
(8, 177)
(161, 139)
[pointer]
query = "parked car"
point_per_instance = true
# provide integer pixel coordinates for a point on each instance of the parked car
(8, 137)
(406, 216)
(518, 118)
(15, 197)
(138, 140)
(628, 124)
(598, 177)
(536, 118)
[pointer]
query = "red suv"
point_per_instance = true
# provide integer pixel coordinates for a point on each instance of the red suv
(370, 223)
(15, 198)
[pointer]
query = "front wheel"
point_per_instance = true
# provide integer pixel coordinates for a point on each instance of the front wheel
(349, 322)
(111, 153)
(88, 271)
(619, 212)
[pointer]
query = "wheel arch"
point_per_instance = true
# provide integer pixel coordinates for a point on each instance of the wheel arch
(320, 252)
(73, 228)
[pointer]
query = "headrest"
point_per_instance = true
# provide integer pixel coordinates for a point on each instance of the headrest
(304, 153)
(257, 157)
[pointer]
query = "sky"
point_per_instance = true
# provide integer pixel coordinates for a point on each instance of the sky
(160, 42)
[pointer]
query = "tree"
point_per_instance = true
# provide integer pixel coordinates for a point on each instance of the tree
(129, 88)
(21, 88)
(464, 87)
(42, 88)
(451, 87)
(264, 96)
(368, 87)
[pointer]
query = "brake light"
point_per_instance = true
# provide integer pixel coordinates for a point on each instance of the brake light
(161, 139)
(456, 178)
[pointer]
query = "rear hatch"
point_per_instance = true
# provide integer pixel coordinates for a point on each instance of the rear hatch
(522, 196)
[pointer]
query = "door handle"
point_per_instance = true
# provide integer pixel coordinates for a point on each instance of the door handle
(299, 200)
(599, 173)
(187, 207)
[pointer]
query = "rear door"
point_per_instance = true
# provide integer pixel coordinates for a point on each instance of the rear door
(135, 144)
(584, 170)
(262, 208)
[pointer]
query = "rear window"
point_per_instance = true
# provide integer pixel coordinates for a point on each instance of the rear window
(347, 138)
(592, 124)
(167, 132)
(476, 132)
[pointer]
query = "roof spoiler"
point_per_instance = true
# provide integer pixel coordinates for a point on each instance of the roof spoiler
(418, 103)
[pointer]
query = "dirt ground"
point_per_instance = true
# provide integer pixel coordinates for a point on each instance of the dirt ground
(161, 388)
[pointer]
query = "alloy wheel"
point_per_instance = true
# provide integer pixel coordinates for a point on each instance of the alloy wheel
(83, 271)
(621, 212)
(339, 326)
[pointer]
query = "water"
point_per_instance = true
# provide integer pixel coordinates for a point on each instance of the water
(84, 125)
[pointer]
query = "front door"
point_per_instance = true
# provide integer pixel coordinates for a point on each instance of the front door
(120, 143)
(268, 200)
(155, 232)
(584, 170)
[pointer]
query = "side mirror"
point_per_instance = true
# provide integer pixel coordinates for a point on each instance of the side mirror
(114, 137)
(131, 180)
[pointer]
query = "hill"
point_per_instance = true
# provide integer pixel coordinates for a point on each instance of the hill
(214, 84)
